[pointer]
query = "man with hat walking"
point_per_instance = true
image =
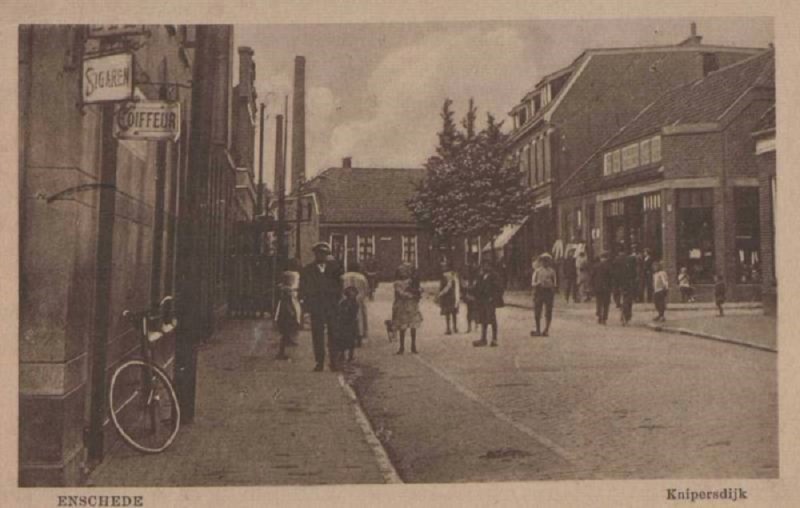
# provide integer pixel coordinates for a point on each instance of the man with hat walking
(320, 290)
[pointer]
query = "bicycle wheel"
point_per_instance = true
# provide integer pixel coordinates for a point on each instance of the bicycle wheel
(143, 406)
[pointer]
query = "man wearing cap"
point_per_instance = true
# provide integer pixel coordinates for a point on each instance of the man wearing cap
(320, 290)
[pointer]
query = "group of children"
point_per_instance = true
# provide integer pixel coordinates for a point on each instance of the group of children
(660, 287)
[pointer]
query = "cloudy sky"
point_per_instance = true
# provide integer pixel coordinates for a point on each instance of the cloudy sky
(373, 91)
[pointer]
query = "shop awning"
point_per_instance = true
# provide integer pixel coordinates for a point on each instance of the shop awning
(505, 236)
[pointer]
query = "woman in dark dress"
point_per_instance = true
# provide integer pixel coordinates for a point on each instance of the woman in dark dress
(488, 297)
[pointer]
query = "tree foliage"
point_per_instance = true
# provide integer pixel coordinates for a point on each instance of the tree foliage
(469, 189)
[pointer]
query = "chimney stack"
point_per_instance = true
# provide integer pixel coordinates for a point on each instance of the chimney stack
(246, 70)
(299, 122)
(347, 162)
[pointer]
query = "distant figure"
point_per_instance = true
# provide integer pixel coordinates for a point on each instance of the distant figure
(544, 284)
(660, 290)
(602, 284)
(719, 294)
(685, 286)
(646, 278)
(626, 280)
(468, 281)
(488, 297)
(320, 290)
(582, 267)
(354, 278)
(570, 276)
(370, 268)
(449, 296)
(288, 312)
(348, 323)
(617, 275)
(405, 309)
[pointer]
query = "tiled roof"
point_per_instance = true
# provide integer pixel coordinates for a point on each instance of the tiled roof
(365, 195)
(703, 101)
(767, 121)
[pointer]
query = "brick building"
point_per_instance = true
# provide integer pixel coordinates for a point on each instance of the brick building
(362, 212)
(568, 115)
(681, 179)
(764, 136)
(108, 225)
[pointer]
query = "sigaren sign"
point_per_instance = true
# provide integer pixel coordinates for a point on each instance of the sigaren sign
(148, 121)
(96, 31)
(107, 78)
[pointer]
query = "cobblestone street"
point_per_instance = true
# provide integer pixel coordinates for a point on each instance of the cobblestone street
(586, 402)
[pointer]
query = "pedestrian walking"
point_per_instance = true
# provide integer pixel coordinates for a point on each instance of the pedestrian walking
(646, 278)
(544, 282)
(660, 290)
(449, 296)
(617, 274)
(348, 324)
(628, 286)
(405, 309)
(582, 267)
(468, 281)
(288, 312)
(355, 279)
(570, 276)
(602, 284)
(488, 297)
(719, 293)
(685, 285)
(320, 290)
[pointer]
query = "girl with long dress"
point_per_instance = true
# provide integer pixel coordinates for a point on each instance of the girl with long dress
(405, 309)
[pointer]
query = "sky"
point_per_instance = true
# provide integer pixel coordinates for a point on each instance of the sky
(374, 91)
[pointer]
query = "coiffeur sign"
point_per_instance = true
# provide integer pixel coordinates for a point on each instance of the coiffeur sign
(148, 120)
(107, 78)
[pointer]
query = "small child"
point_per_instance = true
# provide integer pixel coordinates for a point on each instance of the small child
(685, 286)
(348, 322)
(719, 294)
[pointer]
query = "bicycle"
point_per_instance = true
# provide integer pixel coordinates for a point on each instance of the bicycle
(141, 399)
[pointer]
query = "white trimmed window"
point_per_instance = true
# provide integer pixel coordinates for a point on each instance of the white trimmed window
(644, 152)
(607, 164)
(366, 247)
(630, 156)
(655, 148)
(616, 161)
(409, 247)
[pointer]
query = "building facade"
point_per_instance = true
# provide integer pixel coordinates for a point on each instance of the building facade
(362, 213)
(108, 225)
(764, 137)
(682, 180)
(570, 113)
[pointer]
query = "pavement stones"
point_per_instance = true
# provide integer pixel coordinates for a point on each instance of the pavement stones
(259, 421)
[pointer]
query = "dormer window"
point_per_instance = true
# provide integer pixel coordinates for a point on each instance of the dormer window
(537, 103)
(634, 155)
(522, 116)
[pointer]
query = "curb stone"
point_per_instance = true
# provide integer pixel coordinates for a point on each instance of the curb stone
(719, 338)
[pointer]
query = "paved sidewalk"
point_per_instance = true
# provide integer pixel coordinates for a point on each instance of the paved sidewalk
(258, 421)
(744, 324)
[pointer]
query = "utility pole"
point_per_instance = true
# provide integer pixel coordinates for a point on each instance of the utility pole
(299, 139)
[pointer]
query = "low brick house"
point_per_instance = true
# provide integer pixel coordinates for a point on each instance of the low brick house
(682, 179)
(362, 212)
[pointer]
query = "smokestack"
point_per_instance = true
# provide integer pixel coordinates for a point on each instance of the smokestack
(299, 122)
(280, 177)
(246, 70)
(347, 162)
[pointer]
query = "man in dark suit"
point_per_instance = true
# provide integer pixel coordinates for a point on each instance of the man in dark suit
(320, 291)
(602, 284)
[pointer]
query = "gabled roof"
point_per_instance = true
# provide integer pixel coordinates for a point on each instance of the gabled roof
(701, 103)
(365, 195)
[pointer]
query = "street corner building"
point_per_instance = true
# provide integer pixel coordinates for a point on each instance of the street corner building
(109, 222)
(362, 213)
(687, 178)
(570, 114)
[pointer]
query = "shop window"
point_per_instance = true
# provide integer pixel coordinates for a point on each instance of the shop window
(652, 202)
(630, 156)
(696, 233)
(366, 247)
(409, 248)
(748, 235)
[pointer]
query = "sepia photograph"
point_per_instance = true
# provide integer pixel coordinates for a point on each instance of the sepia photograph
(432, 252)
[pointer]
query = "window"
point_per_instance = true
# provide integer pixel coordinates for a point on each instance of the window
(607, 163)
(616, 162)
(525, 166)
(537, 103)
(655, 149)
(547, 161)
(409, 247)
(523, 116)
(614, 208)
(630, 156)
(577, 232)
(366, 247)
(652, 202)
(696, 233)
(748, 235)
(644, 152)
(540, 159)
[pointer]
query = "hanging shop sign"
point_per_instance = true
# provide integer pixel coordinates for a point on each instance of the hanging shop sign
(107, 78)
(98, 31)
(148, 121)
